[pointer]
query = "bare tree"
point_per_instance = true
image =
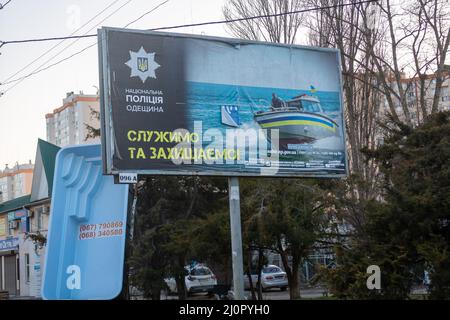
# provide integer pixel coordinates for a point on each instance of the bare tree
(430, 45)
(280, 29)
(347, 28)
(408, 47)
(92, 132)
(393, 60)
(393, 56)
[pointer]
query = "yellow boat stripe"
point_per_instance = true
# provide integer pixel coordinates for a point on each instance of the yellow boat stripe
(295, 123)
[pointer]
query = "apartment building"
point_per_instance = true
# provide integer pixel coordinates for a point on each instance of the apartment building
(15, 181)
(415, 98)
(66, 125)
(23, 229)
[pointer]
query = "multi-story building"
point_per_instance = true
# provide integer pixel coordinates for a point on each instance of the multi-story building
(23, 229)
(419, 92)
(13, 224)
(16, 181)
(66, 125)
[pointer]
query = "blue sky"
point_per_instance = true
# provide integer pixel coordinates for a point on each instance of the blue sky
(263, 66)
(23, 108)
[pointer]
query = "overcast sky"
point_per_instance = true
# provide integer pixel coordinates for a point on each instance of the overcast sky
(23, 108)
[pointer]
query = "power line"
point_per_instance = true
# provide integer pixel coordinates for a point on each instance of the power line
(352, 3)
(37, 70)
(4, 5)
(48, 67)
(56, 45)
(46, 39)
(207, 22)
(146, 13)
(19, 80)
(167, 28)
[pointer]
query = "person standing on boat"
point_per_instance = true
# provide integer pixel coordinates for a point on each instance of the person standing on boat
(276, 102)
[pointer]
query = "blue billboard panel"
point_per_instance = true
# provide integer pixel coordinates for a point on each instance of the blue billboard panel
(86, 239)
(186, 104)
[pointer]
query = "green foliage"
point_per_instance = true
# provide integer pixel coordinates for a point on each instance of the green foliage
(168, 212)
(211, 242)
(286, 216)
(291, 210)
(348, 279)
(211, 237)
(184, 218)
(148, 263)
(436, 254)
(406, 231)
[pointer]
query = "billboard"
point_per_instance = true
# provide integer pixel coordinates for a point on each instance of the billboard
(194, 105)
(85, 251)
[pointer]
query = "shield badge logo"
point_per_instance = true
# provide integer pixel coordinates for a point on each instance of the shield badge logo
(142, 64)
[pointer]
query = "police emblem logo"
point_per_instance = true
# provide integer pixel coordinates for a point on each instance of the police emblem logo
(142, 64)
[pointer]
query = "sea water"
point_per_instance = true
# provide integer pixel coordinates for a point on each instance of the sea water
(205, 100)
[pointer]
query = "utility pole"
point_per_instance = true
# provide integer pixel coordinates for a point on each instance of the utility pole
(236, 238)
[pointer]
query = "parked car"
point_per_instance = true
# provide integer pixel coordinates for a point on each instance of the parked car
(271, 277)
(197, 279)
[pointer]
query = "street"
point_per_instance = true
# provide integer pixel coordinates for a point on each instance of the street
(273, 294)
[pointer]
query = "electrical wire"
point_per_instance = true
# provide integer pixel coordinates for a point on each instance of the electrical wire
(204, 23)
(47, 39)
(353, 3)
(63, 39)
(146, 13)
(274, 15)
(4, 5)
(38, 69)
(76, 53)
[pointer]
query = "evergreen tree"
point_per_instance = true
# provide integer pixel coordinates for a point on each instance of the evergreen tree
(406, 231)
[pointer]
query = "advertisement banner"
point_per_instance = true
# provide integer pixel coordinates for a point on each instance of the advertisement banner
(3, 226)
(9, 244)
(17, 215)
(194, 105)
(85, 251)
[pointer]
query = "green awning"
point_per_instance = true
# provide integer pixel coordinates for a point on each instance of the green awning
(14, 204)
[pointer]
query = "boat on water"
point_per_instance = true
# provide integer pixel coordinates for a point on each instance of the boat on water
(300, 120)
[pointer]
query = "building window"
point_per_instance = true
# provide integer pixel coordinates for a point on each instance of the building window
(39, 219)
(10, 231)
(27, 267)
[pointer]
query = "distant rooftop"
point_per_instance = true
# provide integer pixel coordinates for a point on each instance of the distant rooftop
(71, 99)
(17, 168)
(14, 204)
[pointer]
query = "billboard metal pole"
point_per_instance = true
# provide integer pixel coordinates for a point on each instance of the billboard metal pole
(133, 210)
(236, 238)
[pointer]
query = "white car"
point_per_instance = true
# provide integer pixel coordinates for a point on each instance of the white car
(198, 279)
(271, 277)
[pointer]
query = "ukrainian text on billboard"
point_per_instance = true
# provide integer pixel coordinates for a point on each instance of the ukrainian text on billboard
(177, 104)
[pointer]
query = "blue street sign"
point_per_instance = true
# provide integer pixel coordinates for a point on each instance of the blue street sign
(9, 244)
(86, 239)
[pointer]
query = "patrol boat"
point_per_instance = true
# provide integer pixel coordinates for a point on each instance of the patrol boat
(300, 119)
